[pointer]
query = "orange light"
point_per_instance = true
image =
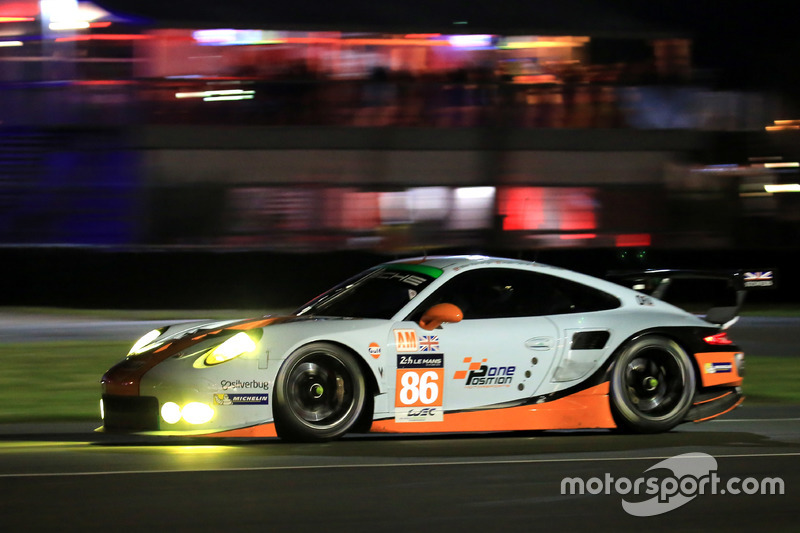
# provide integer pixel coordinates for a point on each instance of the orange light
(99, 24)
(577, 236)
(17, 19)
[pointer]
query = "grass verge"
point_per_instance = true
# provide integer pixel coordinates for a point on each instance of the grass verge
(772, 379)
(55, 381)
(60, 381)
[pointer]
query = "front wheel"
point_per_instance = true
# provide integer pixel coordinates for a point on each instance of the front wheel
(652, 385)
(319, 394)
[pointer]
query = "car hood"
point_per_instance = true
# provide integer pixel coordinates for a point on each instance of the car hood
(193, 338)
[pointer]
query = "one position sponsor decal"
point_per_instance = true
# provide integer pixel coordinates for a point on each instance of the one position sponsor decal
(241, 399)
(718, 368)
(420, 379)
(479, 374)
(406, 340)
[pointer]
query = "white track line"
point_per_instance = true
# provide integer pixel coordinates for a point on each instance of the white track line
(385, 465)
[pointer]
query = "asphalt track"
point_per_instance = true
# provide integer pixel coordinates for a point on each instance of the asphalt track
(67, 478)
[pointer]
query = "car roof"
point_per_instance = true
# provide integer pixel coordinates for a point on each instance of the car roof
(456, 262)
(453, 263)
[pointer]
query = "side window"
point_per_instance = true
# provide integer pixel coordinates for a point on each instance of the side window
(501, 292)
(582, 298)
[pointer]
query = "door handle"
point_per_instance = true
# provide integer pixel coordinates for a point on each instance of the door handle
(539, 343)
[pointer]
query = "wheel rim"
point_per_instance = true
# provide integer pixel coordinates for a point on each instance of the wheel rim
(655, 382)
(320, 391)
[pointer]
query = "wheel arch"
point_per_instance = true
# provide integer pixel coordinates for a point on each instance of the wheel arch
(684, 341)
(370, 378)
(370, 381)
(683, 336)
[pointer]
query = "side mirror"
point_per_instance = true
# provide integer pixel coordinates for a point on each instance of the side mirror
(440, 314)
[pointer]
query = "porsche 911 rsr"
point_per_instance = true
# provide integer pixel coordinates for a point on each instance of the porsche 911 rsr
(438, 344)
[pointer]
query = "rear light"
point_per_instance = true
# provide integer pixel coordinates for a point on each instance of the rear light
(720, 339)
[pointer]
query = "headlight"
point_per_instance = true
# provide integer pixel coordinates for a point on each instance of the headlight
(145, 343)
(237, 345)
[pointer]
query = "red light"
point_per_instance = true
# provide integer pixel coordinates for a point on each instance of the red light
(720, 339)
(103, 37)
(522, 208)
(639, 239)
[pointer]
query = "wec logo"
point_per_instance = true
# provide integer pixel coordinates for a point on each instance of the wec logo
(429, 412)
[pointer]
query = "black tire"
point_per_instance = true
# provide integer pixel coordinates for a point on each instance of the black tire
(652, 385)
(319, 394)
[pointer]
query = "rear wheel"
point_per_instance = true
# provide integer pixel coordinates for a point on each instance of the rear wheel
(652, 385)
(319, 393)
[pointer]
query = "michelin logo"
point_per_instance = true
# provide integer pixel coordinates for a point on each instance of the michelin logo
(241, 399)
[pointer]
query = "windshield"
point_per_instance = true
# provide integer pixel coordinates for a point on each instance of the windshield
(377, 293)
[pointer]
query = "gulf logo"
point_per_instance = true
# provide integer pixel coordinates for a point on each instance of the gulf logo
(375, 350)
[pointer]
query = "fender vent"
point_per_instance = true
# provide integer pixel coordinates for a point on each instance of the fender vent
(589, 340)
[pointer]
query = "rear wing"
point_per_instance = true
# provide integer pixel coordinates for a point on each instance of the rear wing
(720, 293)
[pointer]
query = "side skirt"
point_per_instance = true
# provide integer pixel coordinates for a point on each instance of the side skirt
(585, 409)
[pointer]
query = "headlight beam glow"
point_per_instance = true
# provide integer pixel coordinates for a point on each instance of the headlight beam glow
(192, 412)
(171, 412)
(145, 343)
(235, 346)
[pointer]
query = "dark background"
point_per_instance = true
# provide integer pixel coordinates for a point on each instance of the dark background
(108, 279)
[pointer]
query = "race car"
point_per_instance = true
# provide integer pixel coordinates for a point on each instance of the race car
(431, 345)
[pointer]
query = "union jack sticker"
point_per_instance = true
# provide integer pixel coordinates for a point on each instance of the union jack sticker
(429, 343)
(759, 279)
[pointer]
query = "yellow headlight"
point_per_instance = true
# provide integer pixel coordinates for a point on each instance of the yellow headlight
(171, 412)
(237, 345)
(197, 413)
(144, 343)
